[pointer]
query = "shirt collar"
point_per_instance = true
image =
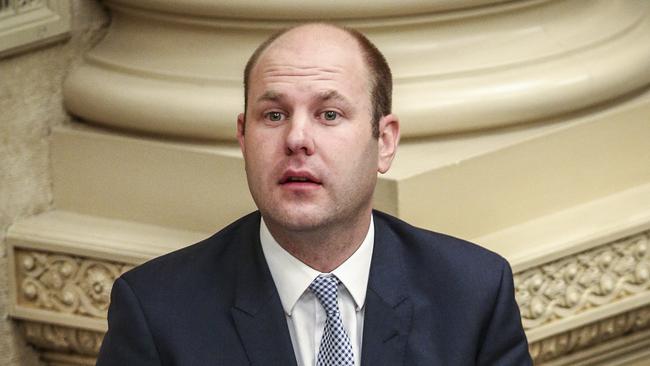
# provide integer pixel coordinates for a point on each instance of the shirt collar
(292, 277)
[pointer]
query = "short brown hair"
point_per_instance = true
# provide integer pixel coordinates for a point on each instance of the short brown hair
(381, 82)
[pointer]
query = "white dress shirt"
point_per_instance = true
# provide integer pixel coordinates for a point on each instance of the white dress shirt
(304, 313)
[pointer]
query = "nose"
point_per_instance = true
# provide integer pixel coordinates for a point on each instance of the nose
(300, 139)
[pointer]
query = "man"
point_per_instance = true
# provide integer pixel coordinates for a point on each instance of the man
(316, 277)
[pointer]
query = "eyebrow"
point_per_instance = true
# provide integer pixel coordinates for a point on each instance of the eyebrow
(326, 95)
(271, 96)
(333, 95)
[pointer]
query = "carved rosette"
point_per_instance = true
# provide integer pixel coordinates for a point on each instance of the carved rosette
(65, 283)
(590, 279)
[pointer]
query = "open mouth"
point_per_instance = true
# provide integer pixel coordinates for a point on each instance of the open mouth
(299, 179)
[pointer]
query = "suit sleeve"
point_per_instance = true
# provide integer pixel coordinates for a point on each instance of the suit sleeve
(128, 340)
(505, 341)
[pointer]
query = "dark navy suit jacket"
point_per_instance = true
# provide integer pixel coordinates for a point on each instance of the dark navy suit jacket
(432, 300)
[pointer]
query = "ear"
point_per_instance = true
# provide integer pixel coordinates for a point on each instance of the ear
(388, 140)
(241, 126)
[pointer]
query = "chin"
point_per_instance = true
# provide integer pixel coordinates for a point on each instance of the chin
(296, 220)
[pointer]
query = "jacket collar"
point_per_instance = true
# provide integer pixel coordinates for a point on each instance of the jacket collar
(389, 312)
(257, 311)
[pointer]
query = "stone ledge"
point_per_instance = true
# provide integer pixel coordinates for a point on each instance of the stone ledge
(62, 264)
(581, 265)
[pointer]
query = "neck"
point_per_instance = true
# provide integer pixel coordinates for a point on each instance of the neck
(324, 248)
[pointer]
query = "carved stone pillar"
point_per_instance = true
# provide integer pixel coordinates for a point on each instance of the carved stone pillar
(525, 129)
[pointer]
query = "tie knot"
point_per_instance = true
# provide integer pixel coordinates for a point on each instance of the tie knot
(326, 289)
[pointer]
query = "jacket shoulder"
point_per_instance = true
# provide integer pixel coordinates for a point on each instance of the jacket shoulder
(218, 253)
(433, 244)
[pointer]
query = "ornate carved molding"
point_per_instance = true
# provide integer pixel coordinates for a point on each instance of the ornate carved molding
(590, 335)
(62, 339)
(175, 68)
(584, 281)
(67, 359)
(65, 283)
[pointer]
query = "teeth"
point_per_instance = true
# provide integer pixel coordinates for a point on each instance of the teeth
(298, 179)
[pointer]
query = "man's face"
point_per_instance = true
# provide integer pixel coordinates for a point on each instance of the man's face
(311, 160)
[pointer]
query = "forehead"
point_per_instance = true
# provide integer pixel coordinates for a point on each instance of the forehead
(312, 54)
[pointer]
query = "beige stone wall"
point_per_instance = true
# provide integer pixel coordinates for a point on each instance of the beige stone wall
(30, 105)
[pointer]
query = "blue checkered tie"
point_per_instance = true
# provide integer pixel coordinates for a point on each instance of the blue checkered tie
(335, 347)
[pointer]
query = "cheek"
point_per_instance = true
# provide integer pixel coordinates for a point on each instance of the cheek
(357, 160)
(261, 156)
(257, 145)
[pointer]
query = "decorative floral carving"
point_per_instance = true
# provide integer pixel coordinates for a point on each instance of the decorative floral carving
(589, 279)
(66, 283)
(590, 335)
(59, 338)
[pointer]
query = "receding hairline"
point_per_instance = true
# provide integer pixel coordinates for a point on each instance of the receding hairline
(268, 43)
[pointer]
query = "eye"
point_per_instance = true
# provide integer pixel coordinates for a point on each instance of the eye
(275, 116)
(329, 115)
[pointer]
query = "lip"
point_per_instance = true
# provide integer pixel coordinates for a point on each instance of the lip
(306, 179)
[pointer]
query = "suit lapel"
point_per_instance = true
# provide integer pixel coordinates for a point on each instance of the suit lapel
(388, 313)
(257, 313)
